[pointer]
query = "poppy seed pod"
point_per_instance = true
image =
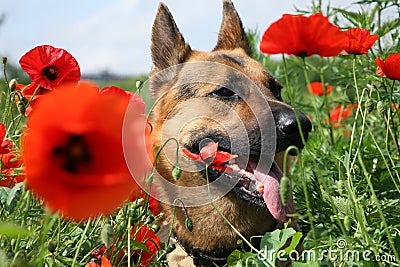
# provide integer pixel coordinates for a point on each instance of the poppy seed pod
(285, 190)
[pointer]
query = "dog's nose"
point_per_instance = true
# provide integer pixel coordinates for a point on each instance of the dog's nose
(288, 130)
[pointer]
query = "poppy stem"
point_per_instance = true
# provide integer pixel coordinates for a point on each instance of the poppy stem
(128, 230)
(289, 90)
(8, 93)
(308, 84)
(326, 103)
(163, 146)
(78, 249)
(173, 217)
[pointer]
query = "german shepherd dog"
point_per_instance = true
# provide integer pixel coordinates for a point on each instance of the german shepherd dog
(210, 96)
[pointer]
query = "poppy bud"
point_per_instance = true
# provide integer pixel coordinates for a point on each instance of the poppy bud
(369, 105)
(12, 85)
(170, 248)
(22, 104)
(284, 190)
(52, 246)
(381, 107)
(176, 171)
(139, 84)
(4, 60)
(347, 222)
(189, 224)
(107, 235)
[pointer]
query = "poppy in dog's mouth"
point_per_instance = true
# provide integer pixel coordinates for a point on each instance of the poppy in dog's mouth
(256, 184)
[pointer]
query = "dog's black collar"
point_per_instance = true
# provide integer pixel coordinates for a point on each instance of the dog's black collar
(202, 258)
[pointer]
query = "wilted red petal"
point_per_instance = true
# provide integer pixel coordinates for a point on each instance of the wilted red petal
(71, 135)
(208, 152)
(359, 41)
(50, 67)
(390, 67)
(303, 36)
(316, 88)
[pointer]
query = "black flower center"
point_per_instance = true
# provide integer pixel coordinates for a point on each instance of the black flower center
(303, 53)
(74, 153)
(50, 72)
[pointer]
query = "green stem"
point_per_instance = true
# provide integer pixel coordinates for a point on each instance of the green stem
(378, 206)
(80, 243)
(223, 216)
(308, 84)
(8, 93)
(269, 263)
(128, 230)
(289, 90)
(326, 104)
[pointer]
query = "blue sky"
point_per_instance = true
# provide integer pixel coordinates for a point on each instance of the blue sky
(115, 35)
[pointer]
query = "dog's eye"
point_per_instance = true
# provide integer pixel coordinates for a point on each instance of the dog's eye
(223, 92)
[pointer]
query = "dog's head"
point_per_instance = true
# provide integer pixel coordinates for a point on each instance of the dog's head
(223, 96)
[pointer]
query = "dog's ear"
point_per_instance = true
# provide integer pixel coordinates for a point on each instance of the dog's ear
(231, 33)
(168, 48)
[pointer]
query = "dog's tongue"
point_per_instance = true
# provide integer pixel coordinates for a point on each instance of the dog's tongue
(271, 179)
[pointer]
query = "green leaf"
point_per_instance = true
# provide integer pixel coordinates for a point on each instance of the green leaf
(13, 197)
(138, 245)
(276, 239)
(234, 258)
(295, 241)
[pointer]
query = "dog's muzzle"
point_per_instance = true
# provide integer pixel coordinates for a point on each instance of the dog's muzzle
(287, 129)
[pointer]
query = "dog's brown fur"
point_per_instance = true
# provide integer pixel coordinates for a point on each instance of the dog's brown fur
(210, 231)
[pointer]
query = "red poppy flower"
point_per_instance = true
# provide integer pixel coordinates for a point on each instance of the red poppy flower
(50, 67)
(340, 113)
(11, 160)
(5, 145)
(210, 155)
(146, 235)
(104, 263)
(390, 67)
(73, 152)
(303, 36)
(359, 41)
(316, 88)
